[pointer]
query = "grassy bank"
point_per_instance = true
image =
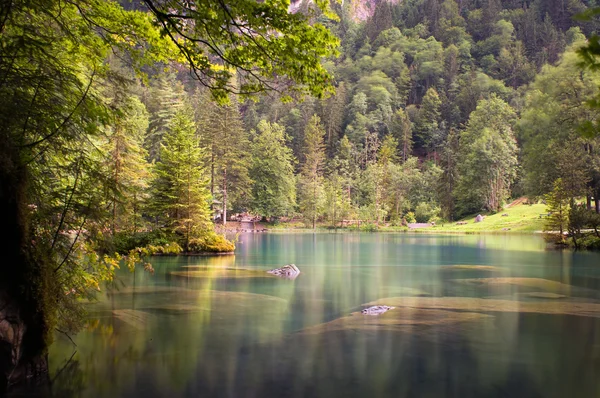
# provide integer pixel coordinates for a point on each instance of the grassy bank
(521, 218)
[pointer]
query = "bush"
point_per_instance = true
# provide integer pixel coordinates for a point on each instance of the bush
(368, 227)
(410, 217)
(211, 242)
(424, 212)
(589, 242)
(123, 242)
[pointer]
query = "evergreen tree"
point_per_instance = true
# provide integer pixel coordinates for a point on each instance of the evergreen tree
(402, 131)
(221, 132)
(310, 181)
(165, 98)
(272, 170)
(428, 124)
(180, 198)
(333, 118)
(127, 163)
(345, 164)
(557, 203)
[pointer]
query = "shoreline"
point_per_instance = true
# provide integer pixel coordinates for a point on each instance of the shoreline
(431, 231)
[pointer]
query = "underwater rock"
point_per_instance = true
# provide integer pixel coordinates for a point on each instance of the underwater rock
(471, 267)
(377, 310)
(472, 304)
(289, 271)
(402, 319)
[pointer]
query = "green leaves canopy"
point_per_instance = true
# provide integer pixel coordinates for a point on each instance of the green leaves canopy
(260, 41)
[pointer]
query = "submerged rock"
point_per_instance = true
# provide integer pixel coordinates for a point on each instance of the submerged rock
(472, 304)
(402, 319)
(471, 267)
(289, 271)
(377, 310)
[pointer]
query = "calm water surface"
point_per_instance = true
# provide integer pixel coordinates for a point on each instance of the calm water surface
(217, 327)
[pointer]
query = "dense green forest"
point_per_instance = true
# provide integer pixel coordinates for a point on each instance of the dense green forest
(126, 129)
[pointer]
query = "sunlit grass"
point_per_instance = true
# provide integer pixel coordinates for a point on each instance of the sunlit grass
(519, 218)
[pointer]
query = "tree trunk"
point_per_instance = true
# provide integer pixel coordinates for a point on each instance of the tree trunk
(23, 281)
(314, 217)
(588, 201)
(224, 196)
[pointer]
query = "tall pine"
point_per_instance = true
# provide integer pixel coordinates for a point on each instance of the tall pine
(311, 175)
(180, 197)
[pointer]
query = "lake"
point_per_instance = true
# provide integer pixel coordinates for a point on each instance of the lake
(475, 316)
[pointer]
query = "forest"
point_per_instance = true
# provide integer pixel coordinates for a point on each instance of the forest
(127, 131)
(441, 109)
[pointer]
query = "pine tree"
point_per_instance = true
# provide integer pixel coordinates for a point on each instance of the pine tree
(127, 163)
(311, 175)
(274, 188)
(179, 194)
(402, 131)
(222, 133)
(333, 117)
(165, 98)
(558, 209)
(346, 166)
(428, 126)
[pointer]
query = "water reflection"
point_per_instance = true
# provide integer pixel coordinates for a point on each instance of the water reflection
(493, 316)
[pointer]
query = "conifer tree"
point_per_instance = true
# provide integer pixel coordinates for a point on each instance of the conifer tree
(311, 174)
(127, 163)
(274, 188)
(164, 99)
(557, 203)
(402, 131)
(226, 141)
(180, 198)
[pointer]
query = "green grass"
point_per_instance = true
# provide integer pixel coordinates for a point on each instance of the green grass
(521, 218)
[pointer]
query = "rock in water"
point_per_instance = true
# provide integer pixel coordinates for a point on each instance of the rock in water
(289, 271)
(377, 310)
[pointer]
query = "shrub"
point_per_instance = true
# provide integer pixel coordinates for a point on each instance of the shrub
(211, 242)
(410, 217)
(424, 212)
(589, 242)
(368, 227)
(123, 242)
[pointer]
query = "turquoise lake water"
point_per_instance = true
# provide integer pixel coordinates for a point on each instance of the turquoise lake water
(475, 316)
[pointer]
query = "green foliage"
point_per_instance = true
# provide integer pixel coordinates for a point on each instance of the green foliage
(555, 108)
(410, 217)
(211, 243)
(427, 123)
(125, 241)
(425, 212)
(310, 180)
(165, 99)
(274, 188)
(558, 209)
(222, 133)
(487, 158)
(251, 40)
(368, 227)
(180, 197)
